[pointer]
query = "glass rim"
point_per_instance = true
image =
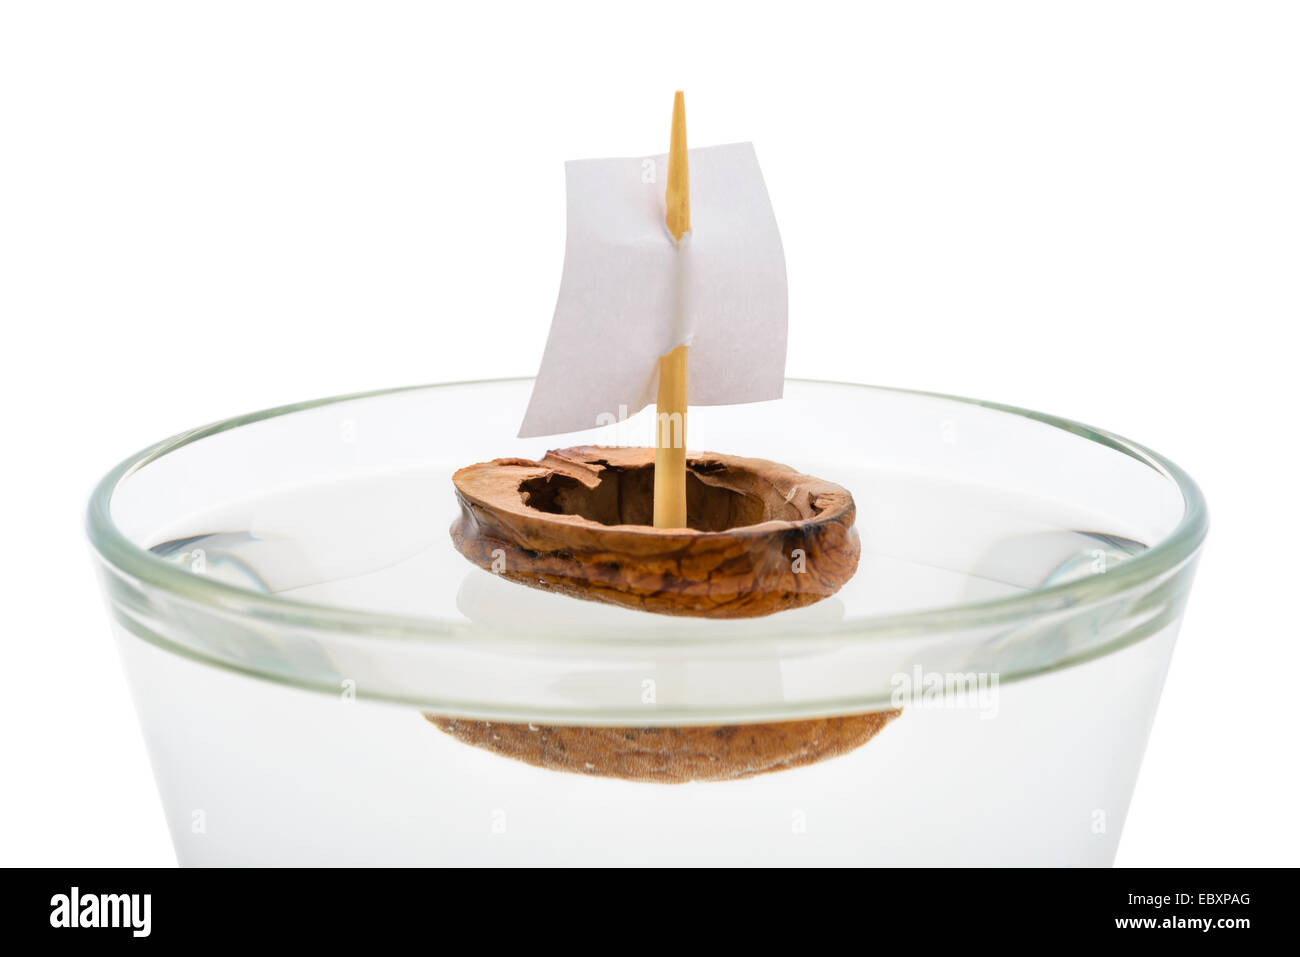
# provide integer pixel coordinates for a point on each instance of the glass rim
(124, 556)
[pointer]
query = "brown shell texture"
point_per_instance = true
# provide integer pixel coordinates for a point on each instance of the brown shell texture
(762, 538)
(671, 755)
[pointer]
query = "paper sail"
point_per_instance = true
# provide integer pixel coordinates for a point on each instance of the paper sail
(629, 294)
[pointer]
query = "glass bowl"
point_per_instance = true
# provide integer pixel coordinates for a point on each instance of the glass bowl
(291, 614)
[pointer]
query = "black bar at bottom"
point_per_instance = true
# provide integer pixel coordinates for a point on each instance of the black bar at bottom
(664, 909)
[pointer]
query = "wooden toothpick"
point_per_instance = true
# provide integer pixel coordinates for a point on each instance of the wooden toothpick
(670, 424)
(678, 196)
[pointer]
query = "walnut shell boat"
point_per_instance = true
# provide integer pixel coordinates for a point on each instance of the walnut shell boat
(762, 538)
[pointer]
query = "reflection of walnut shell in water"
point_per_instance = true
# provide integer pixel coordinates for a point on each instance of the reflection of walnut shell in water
(763, 537)
(672, 755)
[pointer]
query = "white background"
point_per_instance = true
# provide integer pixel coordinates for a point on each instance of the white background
(1091, 209)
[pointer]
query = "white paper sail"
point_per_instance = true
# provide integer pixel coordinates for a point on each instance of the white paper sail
(629, 294)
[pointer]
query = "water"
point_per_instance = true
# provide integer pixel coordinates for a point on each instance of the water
(254, 772)
(1039, 772)
(380, 543)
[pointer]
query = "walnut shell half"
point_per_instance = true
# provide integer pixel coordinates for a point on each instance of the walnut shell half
(762, 538)
(672, 755)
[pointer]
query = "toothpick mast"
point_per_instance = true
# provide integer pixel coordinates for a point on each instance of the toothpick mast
(670, 407)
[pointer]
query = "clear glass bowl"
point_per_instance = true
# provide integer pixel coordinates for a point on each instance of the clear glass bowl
(289, 605)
